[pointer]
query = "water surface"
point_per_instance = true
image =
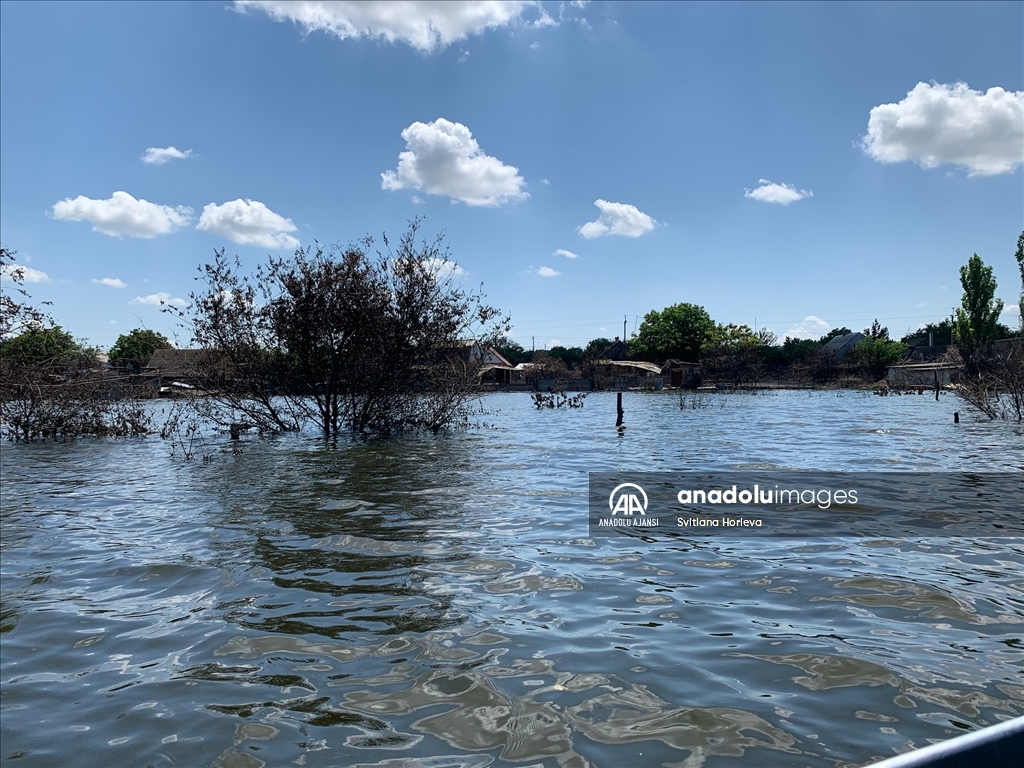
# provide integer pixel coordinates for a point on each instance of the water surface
(436, 602)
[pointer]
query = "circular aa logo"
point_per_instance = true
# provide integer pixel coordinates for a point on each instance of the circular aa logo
(627, 503)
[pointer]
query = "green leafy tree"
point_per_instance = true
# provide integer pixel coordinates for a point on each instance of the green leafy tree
(731, 335)
(679, 331)
(571, 356)
(874, 355)
(137, 346)
(732, 354)
(41, 346)
(595, 348)
(978, 316)
(798, 349)
(942, 333)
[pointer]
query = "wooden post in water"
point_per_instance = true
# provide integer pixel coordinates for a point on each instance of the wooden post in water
(936, 385)
(618, 419)
(956, 417)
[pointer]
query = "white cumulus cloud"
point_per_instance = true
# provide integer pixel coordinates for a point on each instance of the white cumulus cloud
(27, 274)
(121, 215)
(567, 254)
(780, 194)
(426, 25)
(443, 158)
(248, 222)
(161, 155)
(111, 282)
(812, 327)
(158, 299)
(618, 219)
(547, 272)
(940, 123)
(443, 268)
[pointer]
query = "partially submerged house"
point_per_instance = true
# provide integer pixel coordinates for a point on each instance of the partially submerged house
(494, 367)
(502, 373)
(937, 370)
(680, 374)
(178, 371)
(920, 374)
(627, 374)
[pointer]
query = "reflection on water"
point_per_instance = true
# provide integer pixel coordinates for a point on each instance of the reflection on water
(436, 603)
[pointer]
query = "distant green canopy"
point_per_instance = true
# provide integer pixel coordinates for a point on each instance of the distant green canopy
(678, 332)
(40, 346)
(137, 346)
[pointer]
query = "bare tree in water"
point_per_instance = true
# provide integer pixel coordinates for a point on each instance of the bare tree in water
(343, 338)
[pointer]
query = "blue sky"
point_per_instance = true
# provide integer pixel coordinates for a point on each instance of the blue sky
(802, 166)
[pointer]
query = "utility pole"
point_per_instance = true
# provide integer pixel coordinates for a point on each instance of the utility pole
(624, 329)
(533, 343)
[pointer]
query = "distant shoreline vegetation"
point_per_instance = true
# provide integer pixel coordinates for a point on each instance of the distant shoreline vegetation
(363, 342)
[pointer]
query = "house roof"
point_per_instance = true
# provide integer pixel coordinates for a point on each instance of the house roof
(842, 342)
(501, 357)
(616, 350)
(637, 365)
(673, 363)
(485, 368)
(938, 366)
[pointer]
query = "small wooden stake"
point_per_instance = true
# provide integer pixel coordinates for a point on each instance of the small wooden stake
(618, 420)
(956, 417)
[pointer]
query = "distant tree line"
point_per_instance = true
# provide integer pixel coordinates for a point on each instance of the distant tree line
(350, 339)
(736, 355)
(51, 385)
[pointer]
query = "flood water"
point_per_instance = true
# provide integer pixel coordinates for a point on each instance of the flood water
(436, 602)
